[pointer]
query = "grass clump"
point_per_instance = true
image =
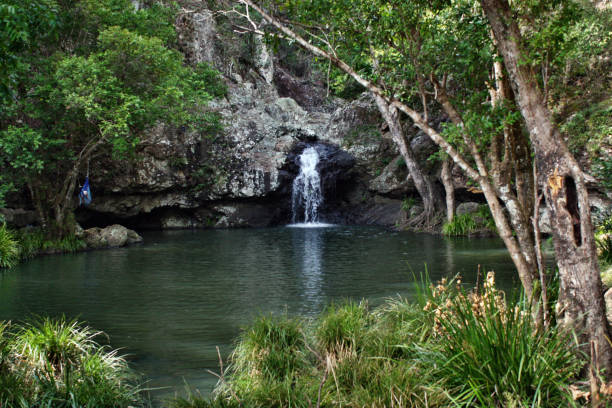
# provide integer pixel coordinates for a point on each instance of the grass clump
(272, 348)
(58, 363)
(342, 328)
(450, 347)
(34, 241)
(461, 225)
(9, 248)
(470, 223)
(489, 353)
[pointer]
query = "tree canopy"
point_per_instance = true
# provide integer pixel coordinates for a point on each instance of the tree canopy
(89, 77)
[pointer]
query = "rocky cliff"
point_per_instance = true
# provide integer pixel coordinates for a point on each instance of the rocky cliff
(242, 176)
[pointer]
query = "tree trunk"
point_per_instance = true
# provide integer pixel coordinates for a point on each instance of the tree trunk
(447, 180)
(425, 185)
(581, 304)
(38, 206)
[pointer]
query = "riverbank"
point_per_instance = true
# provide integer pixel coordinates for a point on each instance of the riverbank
(26, 243)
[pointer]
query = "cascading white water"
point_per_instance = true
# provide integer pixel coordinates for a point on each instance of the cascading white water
(306, 193)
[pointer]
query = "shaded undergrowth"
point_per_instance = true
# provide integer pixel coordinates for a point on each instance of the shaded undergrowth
(26, 243)
(451, 347)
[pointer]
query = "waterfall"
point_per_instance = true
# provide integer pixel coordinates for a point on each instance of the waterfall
(306, 193)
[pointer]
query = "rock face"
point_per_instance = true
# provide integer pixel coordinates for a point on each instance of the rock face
(243, 176)
(467, 208)
(110, 237)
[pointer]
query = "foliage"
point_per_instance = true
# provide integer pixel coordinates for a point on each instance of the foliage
(603, 240)
(486, 218)
(604, 248)
(488, 352)
(603, 170)
(606, 226)
(461, 225)
(469, 223)
(59, 363)
(590, 129)
(22, 25)
(102, 77)
(34, 241)
(408, 203)
(9, 248)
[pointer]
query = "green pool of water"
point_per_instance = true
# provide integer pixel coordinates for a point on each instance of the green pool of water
(169, 302)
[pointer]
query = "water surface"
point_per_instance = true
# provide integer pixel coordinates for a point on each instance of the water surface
(169, 302)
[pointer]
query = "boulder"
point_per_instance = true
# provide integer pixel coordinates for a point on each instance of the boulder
(467, 208)
(133, 237)
(110, 237)
(394, 180)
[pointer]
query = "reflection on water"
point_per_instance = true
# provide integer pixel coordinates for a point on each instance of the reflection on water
(168, 303)
(307, 246)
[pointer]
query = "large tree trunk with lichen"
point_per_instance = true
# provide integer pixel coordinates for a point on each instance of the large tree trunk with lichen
(581, 304)
(425, 184)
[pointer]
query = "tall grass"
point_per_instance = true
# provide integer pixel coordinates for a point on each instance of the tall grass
(488, 352)
(463, 224)
(58, 363)
(450, 347)
(34, 241)
(342, 328)
(9, 248)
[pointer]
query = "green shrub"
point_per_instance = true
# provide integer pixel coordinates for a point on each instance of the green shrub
(30, 241)
(408, 203)
(486, 218)
(58, 363)
(9, 248)
(463, 224)
(603, 240)
(603, 170)
(488, 353)
(449, 348)
(604, 247)
(69, 243)
(33, 241)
